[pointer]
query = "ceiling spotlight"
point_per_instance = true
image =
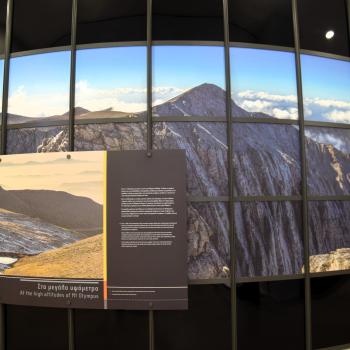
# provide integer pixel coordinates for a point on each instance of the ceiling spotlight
(330, 34)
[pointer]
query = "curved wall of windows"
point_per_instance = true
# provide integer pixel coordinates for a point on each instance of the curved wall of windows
(258, 94)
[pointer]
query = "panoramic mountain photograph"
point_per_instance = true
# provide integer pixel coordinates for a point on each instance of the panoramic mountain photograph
(51, 215)
(266, 156)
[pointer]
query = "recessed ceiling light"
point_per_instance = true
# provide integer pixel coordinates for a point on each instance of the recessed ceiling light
(330, 34)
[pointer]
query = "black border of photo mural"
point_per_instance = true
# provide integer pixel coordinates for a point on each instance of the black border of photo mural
(239, 293)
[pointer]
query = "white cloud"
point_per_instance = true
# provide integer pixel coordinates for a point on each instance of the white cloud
(331, 103)
(127, 99)
(252, 95)
(119, 99)
(286, 107)
(339, 116)
(37, 105)
(278, 106)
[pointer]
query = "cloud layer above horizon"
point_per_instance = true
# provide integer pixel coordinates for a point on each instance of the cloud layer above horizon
(286, 106)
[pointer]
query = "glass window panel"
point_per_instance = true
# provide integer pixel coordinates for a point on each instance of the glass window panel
(206, 151)
(39, 88)
(110, 136)
(32, 140)
(105, 329)
(111, 21)
(261, 22)
(189, 81)
(269, 239)
(316, 19)
(330, 297)
(38, 327)
(111, 83)
(208, 240)
(191, 329)
(266, 159)
(328, 154)
(263, 84)
(187, 20)
(3, 10)
(329, 232)
(39, 24)
(271, 315)
(326, 83)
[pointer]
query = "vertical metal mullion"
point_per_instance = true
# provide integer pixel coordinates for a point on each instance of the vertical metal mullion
(308, 336)
(151, 329)
(232, 232)
(5, 91)
(2, 327)
(149, 135)
(70, 312)
(71, 338)
(149, 79)
(72, 74)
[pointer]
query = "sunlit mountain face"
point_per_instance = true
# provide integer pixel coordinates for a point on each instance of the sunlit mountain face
(266, 163)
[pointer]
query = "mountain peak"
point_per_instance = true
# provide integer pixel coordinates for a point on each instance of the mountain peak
(205, 100)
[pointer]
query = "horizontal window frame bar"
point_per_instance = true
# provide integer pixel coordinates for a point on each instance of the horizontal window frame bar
(337, 347)
(215, 43)
(272, 278)
(334, 198)
(245, 45)
(40, 51)
(111, 44)
(232, 44)
(130, 120)
(324, 55)
(311, 123)
(201, 282)
(329, 273)
(179, 119)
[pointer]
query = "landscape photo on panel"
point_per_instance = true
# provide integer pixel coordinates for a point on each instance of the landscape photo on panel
(51, 215)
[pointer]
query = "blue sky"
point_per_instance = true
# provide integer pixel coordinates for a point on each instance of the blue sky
(112, 78)
(118, 67)
(326, 89)
(39, 84)
(263, 70)
(188, 66)
(262, 80)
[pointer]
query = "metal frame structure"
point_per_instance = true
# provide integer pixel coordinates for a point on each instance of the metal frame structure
(231, 198)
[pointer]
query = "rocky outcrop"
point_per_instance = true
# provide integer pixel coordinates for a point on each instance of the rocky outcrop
(328, 169)
(111, 136)
(32, 140)
(269, 238)
(333, 261)
(23, 235)
(266, 160)
(329, 227)
(208, 245)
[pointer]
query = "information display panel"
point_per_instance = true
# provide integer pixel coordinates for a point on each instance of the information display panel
(75, 226)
